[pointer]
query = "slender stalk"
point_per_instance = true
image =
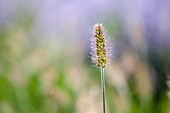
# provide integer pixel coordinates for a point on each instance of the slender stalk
(103, 87)
(169, 108)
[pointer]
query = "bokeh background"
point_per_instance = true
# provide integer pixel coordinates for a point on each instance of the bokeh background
(45, 64)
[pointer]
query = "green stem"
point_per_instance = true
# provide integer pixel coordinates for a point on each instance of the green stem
(103, 87)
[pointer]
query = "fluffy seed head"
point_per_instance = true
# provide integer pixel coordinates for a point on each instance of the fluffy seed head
(101, 50)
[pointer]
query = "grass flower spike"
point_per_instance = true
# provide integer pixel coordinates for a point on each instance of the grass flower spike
(100, 46)
(101, 52)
